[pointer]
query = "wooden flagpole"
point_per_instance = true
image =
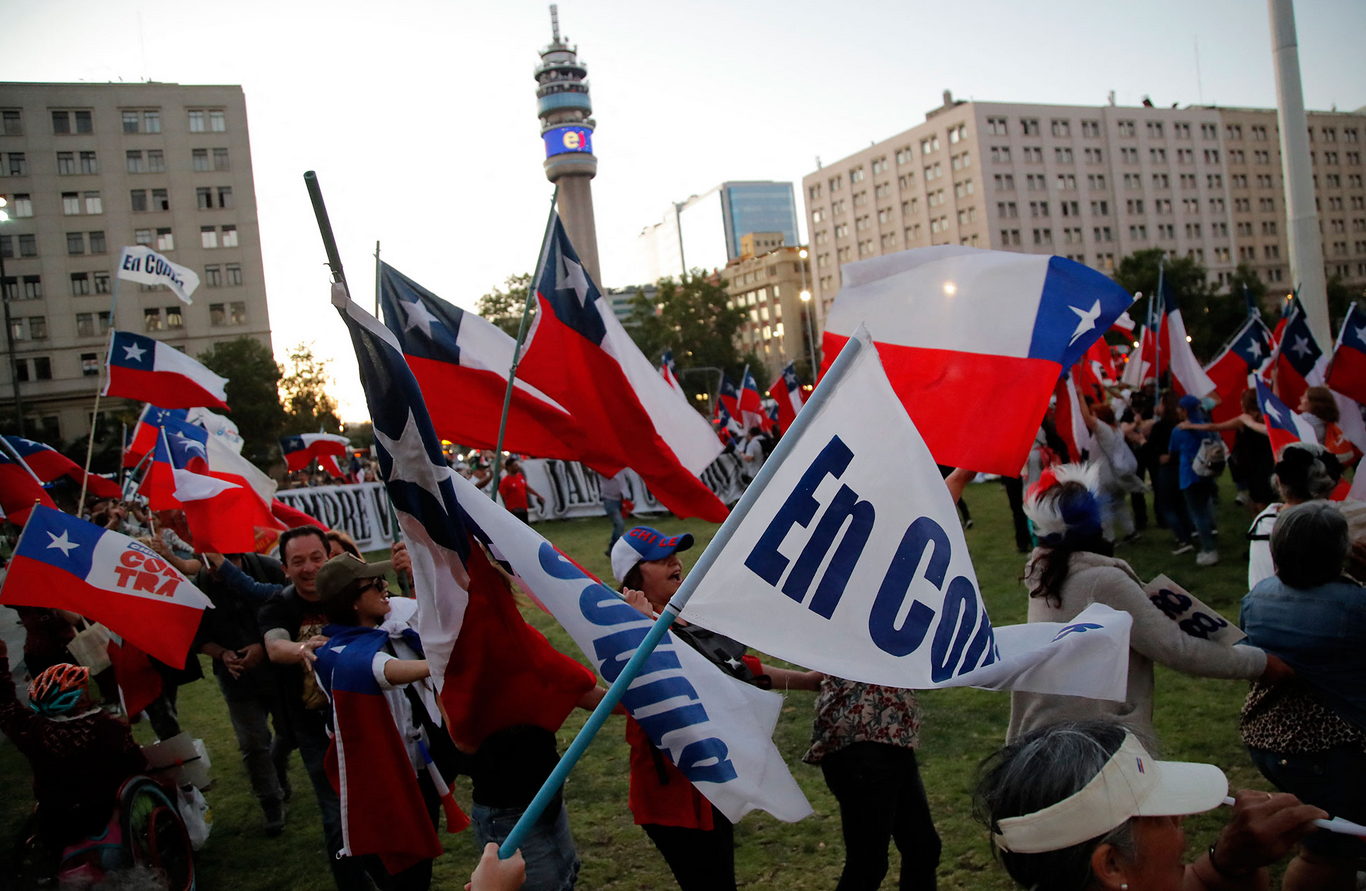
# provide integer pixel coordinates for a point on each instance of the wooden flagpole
(99, 389)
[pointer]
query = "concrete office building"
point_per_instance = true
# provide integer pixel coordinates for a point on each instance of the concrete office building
(766, 282)
(704, 232)
(89, 168)
(1090, 183)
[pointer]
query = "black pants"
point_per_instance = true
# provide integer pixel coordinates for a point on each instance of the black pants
(1014, 487)
(701, 860)
(882, 799)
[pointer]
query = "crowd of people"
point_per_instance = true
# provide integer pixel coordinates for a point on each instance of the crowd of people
(1074, 799)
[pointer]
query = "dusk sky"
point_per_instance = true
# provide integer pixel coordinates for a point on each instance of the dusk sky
(420, 117)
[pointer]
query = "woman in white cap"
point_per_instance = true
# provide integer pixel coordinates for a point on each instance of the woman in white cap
(695, 838)
(1083, 806)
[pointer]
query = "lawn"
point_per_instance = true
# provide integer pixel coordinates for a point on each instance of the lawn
(1196, 720)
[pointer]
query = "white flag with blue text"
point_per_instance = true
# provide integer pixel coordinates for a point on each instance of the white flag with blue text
(851, 561)
(139, 263)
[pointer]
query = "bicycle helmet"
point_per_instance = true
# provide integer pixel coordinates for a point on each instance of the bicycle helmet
(57, 690)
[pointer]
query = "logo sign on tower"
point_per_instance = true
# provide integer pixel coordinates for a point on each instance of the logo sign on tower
(567, 139)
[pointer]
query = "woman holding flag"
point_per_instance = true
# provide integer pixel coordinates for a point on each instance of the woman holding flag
(694, 836)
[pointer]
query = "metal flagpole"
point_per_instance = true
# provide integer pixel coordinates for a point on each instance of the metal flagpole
(1159, 301)
(805, 418)
(377, 278)
(517, 349)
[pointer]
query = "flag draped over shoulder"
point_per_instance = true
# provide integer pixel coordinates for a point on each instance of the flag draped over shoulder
(139, 367)
(578, 354)
(973, 341)
(67, 563)
(461, 362)
(852, 570)
(48, 464)
(503, 672)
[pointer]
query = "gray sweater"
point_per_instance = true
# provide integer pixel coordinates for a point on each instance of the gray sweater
(1093, 578)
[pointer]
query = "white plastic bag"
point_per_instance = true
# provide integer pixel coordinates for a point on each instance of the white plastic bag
(194, 810)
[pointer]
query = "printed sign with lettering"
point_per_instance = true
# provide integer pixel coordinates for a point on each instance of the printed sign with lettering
(1192, 616)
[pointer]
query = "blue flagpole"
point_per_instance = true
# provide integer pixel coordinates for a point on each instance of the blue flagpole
(552, 785)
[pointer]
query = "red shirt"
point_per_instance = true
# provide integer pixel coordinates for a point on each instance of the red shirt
(513, 490)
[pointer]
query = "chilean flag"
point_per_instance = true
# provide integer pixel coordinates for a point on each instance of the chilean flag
(1347, 373)
(222, 509)
(47, 464)
(173, 452)
(1070, 422)
(751, 406)
(729, 398)
(1283, 426)
(1176, 350)
(382, 808)
(1300, 361)
(669, 370)
(502, 672)
(138, 680)
(20, 489)
(461, 362)
(67, 563)
(1140, 360)
(578, 354)
(303, 449)
(148, 370)
(787, 392)
(148, 429)
(969, 335)
(292, 516)
(1247, 353)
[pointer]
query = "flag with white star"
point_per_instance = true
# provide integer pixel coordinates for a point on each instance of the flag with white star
(48, 465)
(20, 488)
(1177, 355)
(1247, 352)
(139, 367)
(578, 354)
(970, 333)
(1300, 362)
(64, 562)
(787, 392)
(1283, 426)
(1347, 374)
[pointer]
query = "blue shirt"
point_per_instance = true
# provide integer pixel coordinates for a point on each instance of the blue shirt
(1183, 446)
(1320, 632)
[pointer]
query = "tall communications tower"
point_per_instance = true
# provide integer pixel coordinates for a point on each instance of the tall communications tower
(567, 127)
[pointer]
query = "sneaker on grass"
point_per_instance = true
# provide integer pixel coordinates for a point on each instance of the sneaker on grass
(1207, 558)
(1183, 547)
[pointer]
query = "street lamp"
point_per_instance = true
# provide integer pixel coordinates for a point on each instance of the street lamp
(9, 330)
(810, 339)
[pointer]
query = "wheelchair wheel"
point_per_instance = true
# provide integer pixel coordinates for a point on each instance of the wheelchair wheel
(155, 834)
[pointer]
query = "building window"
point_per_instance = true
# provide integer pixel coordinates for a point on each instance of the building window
(234, 271)
(151, 320)
(97, 244)
(18, 166)
(160, 200)
(71, 203)
(1155, 129)
(173, 317)
(11, 124)
(156, 161)
(75, 243)
(996, 126)
(130, 122)
(61, 122)
(134, 162)
(225, 195)
(220, 160)
(66, 163)
(42, 365)
(9, 287)
(196, 121)
(213, 276)
(1029, 126)
(80, 284)
(208, 237)
(138, 199)
(88, 163)
(85, 323)
(90, 364)
(37, 327)
(93, 203)
(217, 122)
(165, 240)
(102, 286)
(28, 245)
(199, 159)
(218, 316)
(151, 121)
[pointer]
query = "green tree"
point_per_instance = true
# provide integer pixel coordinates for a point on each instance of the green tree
(1246, 283)
(691, 318)
(503, 306)
(253, 393)
(1210, 315)
(308, 408)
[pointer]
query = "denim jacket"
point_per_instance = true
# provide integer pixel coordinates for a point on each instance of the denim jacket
(1320, 632)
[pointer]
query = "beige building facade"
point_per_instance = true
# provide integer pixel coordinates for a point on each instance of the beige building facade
(766, 283)
(1092, 184)
(89, 168)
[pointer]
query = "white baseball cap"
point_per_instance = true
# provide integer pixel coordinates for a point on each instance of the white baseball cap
(1131, 784)
(643, 543)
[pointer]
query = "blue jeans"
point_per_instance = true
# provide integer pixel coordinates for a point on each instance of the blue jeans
(1330, 780)
(1201, 511)
(552, 864)
(612, 507)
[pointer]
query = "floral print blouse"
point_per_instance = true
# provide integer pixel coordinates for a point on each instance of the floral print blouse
(852, 711)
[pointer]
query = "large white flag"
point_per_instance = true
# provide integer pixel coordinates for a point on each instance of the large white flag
(717, 730)
(851, 561)
(141, 264)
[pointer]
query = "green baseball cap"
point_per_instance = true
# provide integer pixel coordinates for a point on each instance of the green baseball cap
(341, 570)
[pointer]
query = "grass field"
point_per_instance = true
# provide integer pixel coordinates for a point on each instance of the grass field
(1196, 720)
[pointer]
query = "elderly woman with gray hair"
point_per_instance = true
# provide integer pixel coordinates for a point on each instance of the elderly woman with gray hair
(1083, 806)
(1308, 735)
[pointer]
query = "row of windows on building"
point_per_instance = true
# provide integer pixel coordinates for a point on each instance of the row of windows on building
(1128, 128)
(150, 161)
(210, 237)
(91, 202)
(30, 287)
(154, 319)
(145, 120)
